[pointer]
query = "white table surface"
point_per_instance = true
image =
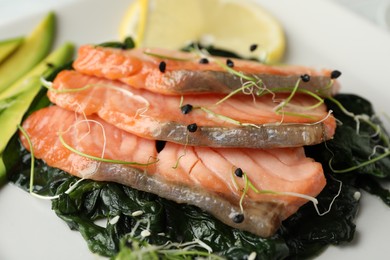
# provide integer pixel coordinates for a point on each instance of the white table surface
(376, 11)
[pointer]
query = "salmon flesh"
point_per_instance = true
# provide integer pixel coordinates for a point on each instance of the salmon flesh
(201, 176)
(238, 121)
(182, 73)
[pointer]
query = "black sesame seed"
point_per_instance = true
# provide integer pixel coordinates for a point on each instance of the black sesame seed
(305, 77)
(253, 47)
(192, 127)
(162, 66)
(335, 74)
(50, 65)
(238, 172)
(160, 145)
(186, 109)
(239, 218)
(203, 61)
(230, 63)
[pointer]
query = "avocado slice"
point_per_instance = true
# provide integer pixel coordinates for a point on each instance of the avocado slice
(35, 48)
(8, 46)
(27, 88)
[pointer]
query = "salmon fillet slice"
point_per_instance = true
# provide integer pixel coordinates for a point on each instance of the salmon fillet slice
(240, 121)
(183, 73)
(199, 176)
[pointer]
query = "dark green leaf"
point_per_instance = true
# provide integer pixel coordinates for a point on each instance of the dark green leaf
(307, 233)
(127, 44)
(213, 51)
(351, 148)
(372, 186)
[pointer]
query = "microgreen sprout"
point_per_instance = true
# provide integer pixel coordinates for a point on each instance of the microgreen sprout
(126, 92)
(99, 159)
(378, 147)
(182, 155)
(25, 134)
(32, 171)
(253, 83)
(248, 85)
(227, 119)
(233, 71)
(350, 169)
(161, 56)
(280, 107)
(378, 132)
(136, 247)
(248, 185)
(363, 118)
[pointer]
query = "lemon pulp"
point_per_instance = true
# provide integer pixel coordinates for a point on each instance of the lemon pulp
(233, 25)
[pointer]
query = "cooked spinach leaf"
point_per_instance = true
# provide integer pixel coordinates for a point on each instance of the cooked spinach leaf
(351, 147)
(127, 44)
(373, 186)
(212, 50)
(306, 233)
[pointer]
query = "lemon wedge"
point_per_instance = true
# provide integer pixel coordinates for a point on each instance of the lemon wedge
(240, 26)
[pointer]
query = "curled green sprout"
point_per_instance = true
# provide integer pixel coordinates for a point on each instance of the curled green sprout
(279, 109)
(248, 185)
(160, 56)
(136, 247)
(254, 82)
(363, 118)
(378, 132)
(261, 90)
(355, 167)
(25, 134)
(234, 92)
(285, 102)
(99, 159)
(182, 155)
(226, 118)
(126, 92)
(236, 122)
(32, 171)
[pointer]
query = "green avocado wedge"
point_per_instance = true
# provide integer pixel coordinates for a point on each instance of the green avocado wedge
(7, 47)
(17, 102)
(33, 49)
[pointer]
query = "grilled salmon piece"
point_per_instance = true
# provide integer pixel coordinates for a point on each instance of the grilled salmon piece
(239, 121)
(177, 73)
(200, 176)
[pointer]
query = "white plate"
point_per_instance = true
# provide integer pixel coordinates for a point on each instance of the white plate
(319, 33)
